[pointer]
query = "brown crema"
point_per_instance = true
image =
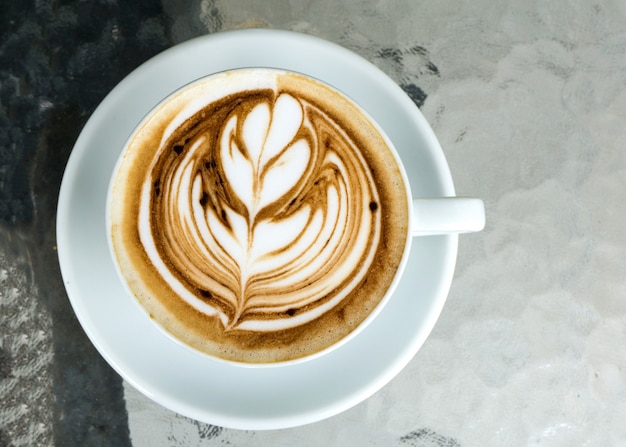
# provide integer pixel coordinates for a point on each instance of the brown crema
(261, 224)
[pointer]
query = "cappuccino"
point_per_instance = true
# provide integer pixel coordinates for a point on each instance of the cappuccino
(258, 216)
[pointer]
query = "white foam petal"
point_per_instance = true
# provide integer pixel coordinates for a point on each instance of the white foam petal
(255, 129)
(272, 236)
(237, 168)
(284, 173)
(286, 121)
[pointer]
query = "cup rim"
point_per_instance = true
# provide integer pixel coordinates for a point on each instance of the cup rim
(310, 356)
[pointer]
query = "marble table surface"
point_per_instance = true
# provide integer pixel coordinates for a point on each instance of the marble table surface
(528, 100)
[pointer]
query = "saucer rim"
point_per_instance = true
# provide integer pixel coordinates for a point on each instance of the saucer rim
(109, 349)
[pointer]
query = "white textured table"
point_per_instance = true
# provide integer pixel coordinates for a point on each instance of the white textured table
(528, 100)
(529, 104)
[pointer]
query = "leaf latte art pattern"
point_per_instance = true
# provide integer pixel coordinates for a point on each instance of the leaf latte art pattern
(262, 213)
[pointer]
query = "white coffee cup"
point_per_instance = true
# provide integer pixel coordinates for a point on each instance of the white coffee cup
(426, 216)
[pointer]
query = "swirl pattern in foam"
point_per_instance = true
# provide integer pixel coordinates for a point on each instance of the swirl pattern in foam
(261, 212)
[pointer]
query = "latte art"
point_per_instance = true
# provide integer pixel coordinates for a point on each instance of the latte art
(264, 213)
(258, 216)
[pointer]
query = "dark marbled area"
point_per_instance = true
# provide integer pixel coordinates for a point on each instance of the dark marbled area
(58, 60)
(425, 437)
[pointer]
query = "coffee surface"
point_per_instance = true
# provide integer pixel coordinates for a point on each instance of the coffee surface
(258, 216)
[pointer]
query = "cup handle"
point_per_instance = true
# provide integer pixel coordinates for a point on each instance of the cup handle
(447, 215)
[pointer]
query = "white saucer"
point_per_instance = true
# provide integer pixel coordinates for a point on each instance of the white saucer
(190, 383)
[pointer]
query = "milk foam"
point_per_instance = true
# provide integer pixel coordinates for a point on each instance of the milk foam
(247, 214)
(263, 222)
